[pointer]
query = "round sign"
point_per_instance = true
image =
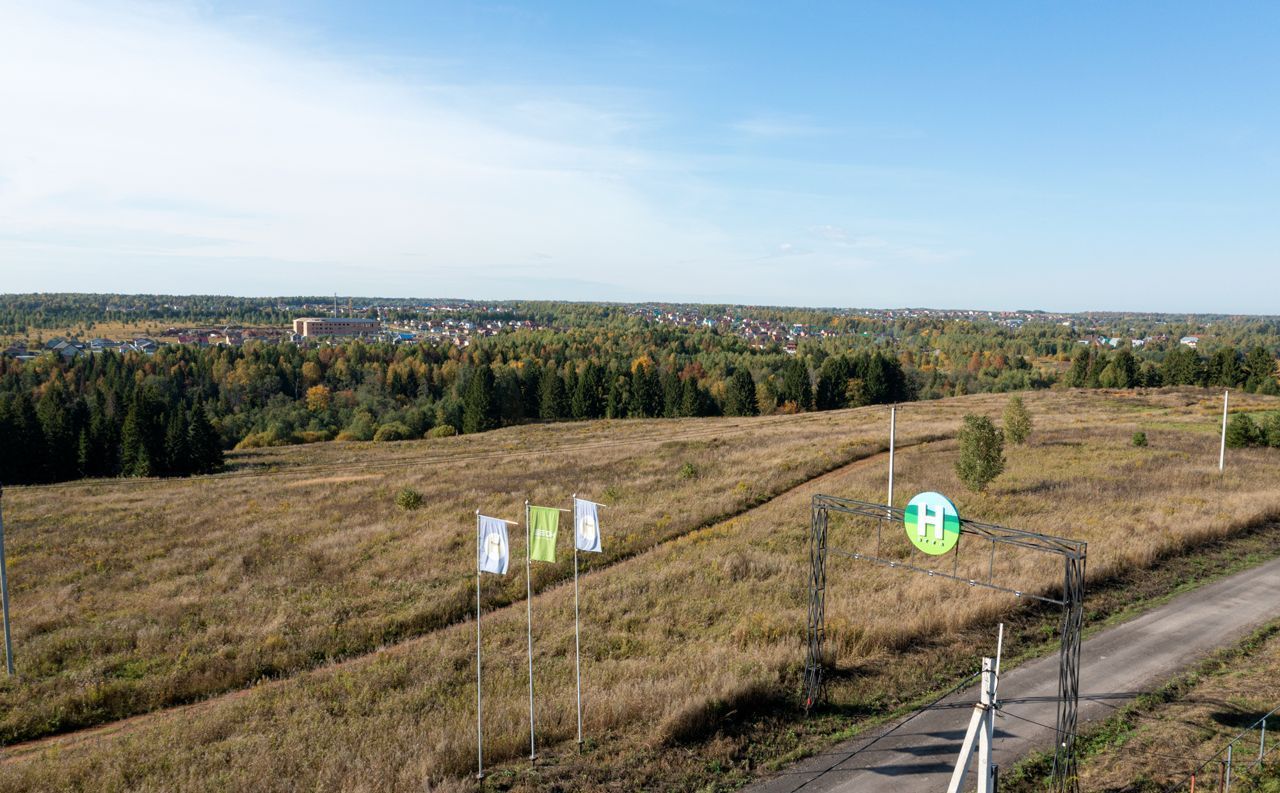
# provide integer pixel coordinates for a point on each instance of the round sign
(587, 526)
(932, 522)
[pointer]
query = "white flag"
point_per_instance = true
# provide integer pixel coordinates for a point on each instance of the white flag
(492, 548)
(586, 525)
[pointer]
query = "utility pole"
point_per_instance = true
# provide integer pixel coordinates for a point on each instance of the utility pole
(893, 427)
(4, 592)
(1222, 451)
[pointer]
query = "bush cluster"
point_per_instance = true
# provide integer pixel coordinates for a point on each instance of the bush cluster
(1244, 431)
(408, 499)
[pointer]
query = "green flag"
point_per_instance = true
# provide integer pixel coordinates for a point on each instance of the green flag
(544, 523)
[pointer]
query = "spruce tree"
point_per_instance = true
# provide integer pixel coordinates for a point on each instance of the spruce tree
(795, 384)
(478, 413)
(203, 443)
(59, 435)
(1259, 368)
(615, 404)
(740, 394)
(84, 454)
(690, 398)
(586, 402)
(553, 403)
(1078, 374)
(29, 448)
(135, 457)
(1242, 431)
(833, 380)
(177, 449)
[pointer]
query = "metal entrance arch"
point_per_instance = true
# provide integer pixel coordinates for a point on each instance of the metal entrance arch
(1073, 553)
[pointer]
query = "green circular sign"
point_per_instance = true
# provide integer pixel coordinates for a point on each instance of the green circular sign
(933, 524)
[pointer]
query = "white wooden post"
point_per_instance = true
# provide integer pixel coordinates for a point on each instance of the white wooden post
(979, 736)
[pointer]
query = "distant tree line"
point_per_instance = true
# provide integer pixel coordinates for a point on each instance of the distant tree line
(1253, 371)
(172, 413)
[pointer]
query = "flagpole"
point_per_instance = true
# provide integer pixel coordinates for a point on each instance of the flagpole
(528, 582)
(577, 631)
(479, 711)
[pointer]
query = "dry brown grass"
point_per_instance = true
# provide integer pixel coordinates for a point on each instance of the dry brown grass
(685, 627)
(1160, 744)
(132, 595)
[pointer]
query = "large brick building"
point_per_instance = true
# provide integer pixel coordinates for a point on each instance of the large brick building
(323, 326)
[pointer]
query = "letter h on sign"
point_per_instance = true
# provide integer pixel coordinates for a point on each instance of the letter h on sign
(924, 519)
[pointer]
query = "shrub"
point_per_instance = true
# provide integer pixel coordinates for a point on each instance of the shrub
(443, 431)
(688, 471)
(1017, 421)
(392, 431)
(1242, 431)
(1139, 438)
(260, 440)
(981, 453)
(1271, 430)
(408, 499)
(360, 428)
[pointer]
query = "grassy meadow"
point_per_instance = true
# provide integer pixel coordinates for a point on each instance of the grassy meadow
(134, 596)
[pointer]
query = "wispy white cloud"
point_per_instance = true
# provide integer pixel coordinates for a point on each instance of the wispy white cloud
(147, 137)
(146, 148)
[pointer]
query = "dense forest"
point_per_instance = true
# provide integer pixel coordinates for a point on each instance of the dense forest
(174, 412)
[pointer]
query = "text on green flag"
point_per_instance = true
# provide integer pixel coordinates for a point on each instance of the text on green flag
(544, 524)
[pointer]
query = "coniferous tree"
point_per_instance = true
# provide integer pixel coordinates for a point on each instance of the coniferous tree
(203, 443)
(740, 395)
(554, 405)
(29, 450)
(587, 400)
(833, 383)
(135, 457)
(59, 435)
(690, 398)
(1223, 369)
(672, 394)
(795, 384)
(177, 449)
(1126, 369)
(1242, 431)
(1259, 368)
(478, 410)
(1078, 374)
(1182, 366)
(646, 393)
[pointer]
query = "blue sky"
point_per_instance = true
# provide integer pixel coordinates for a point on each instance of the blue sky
(1021, 155)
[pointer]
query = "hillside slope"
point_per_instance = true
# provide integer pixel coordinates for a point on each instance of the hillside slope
(681, 624)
